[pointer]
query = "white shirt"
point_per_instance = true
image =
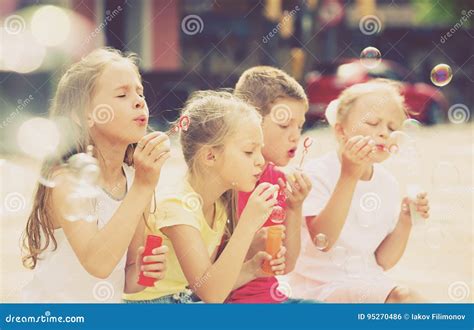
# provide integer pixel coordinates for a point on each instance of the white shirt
(373, 214)
(59, 276)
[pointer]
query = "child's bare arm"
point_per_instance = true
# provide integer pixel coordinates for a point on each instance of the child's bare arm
(259, 241)
(100, 250)
(332, 218)
(156, 263)
(393, 246)
(252, 268)
(356, 157)
(213, 282)
(131, 274)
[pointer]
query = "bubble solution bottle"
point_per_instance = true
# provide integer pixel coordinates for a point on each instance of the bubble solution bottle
(152, 242)
(274, 238)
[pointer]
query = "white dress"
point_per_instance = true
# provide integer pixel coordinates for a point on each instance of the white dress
(60, 278)
(348, 272)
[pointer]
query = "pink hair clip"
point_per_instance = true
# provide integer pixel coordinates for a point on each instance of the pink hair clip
(183, 124)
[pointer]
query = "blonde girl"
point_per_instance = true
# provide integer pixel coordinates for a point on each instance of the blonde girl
(352, 242)
(77, 261)
(222, 148)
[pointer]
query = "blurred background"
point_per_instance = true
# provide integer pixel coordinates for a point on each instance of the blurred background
(187, 45)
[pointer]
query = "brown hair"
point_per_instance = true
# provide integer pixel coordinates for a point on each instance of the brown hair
(73, 96)
(213, 117)
(261, 86)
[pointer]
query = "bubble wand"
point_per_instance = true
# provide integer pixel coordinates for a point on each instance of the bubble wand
(306, 144)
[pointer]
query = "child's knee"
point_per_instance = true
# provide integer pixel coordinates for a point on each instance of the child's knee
(401, 294)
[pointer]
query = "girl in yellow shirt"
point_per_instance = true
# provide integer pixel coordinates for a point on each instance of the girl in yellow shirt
(222, 144)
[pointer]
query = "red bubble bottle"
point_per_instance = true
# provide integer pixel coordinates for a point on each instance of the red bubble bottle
(152, 242)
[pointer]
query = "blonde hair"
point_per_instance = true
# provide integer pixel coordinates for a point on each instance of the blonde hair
(261, 86)
(338, 111)
(213, 117)
(73, 96)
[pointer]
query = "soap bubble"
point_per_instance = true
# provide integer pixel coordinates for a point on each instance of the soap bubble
(49, 180)
(393, 149)
(370, 57)
(401, 144)
(81, 204)
(411, 126)
(278, 214)
(321, 241)
(400, 138)
(84, 174)
(84, 167)
(441, 75)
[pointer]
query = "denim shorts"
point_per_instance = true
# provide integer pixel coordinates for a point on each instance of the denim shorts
(301, 301)
(183, 297)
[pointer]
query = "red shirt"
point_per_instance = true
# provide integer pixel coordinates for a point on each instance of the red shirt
(263, 289)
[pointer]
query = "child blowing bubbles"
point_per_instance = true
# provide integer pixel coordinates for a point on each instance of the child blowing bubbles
(72, 258)
(357, 242)
(222, 148)
(282, 103)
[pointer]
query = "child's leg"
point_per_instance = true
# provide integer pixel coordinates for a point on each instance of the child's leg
(402, 294)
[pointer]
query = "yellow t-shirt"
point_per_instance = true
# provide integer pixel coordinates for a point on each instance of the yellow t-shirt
(180, 206)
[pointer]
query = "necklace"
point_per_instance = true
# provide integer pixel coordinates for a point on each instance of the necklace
(110, 193)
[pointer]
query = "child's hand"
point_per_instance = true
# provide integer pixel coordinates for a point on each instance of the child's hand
(260, 205)
(157, 268)
(150, 154)
(278, 264)
(421, 205)
(356, 155)
(300, 186)
(259, 241)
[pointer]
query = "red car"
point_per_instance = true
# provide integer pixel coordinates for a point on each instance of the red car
(425, 103)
